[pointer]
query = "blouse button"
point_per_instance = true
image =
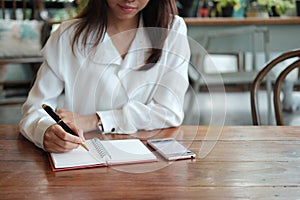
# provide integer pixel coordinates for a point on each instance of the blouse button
(113, 130)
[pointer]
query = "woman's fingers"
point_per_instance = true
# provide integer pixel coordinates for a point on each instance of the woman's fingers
(57, 140)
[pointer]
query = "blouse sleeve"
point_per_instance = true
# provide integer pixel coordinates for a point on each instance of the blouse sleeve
(47, 89)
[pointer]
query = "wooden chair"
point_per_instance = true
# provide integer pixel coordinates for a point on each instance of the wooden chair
(10, 9)
(290, 60)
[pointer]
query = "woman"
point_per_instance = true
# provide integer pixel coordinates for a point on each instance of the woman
(121, 66)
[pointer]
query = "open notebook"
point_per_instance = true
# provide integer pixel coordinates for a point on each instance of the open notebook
(102, 153)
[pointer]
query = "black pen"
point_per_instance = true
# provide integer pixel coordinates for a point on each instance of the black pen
(60, 122)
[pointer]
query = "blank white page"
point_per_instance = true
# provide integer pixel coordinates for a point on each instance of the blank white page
(127, 151)
(77, 157)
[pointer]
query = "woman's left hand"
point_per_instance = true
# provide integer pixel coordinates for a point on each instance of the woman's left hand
(85, 122)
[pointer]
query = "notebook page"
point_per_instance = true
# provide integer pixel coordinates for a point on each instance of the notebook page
(127, 151)
(77, 157)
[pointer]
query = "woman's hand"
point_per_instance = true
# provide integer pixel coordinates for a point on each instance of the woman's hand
(56, 139)
(85, 122)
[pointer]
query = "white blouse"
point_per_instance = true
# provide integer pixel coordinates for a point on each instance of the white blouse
(101, 82)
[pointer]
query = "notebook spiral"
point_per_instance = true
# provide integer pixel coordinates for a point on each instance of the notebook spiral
(100, 148)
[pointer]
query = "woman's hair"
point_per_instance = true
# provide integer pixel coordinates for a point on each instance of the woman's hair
(157, 13)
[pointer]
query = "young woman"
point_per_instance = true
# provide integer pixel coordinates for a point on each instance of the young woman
(121, 66)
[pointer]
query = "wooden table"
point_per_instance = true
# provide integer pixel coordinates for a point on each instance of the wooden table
(246, 162)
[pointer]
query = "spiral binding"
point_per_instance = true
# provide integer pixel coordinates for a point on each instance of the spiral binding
(100, 148)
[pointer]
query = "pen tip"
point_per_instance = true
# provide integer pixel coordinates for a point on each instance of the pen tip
(44, 105)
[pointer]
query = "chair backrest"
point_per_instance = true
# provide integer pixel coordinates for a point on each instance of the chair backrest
(9, 8)
(267, 75)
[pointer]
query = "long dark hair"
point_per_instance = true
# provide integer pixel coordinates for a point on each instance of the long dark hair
(157, 13)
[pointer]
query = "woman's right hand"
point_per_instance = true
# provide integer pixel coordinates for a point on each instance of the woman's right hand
(57, 140)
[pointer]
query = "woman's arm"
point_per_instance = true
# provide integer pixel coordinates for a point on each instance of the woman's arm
(48, 88)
